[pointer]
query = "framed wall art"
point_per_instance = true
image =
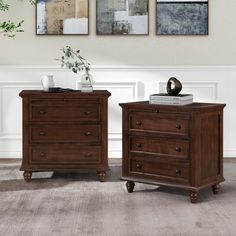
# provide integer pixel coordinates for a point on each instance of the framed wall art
(182, 17)
(62, 17)
(122, 17)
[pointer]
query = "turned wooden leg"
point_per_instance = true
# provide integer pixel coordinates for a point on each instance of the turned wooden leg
(193, 196)
(216, 188)
(130, 186)
(101, 176)
(27, 175)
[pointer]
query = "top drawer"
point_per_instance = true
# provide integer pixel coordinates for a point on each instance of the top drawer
(161, 123)
(64, 111)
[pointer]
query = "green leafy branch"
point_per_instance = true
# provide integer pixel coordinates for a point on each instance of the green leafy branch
(73, 60)
(4, 6)
(10, 28)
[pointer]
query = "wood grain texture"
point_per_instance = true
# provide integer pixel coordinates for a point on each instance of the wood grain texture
(178, 146)
(65, 131)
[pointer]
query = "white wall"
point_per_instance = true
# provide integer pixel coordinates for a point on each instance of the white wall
(126, 83)
(217, 48)
(202, 63)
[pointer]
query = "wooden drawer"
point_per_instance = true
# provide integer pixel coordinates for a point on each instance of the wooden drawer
(64, 111)
(160, 146)
(158, 123)
(65, 133)
(64, 153)
(176, 170)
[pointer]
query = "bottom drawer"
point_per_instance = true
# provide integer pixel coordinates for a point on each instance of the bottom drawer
(175, 170)
(64, 153)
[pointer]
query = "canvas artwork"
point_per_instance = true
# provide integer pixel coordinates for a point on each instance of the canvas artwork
(122, 17)
(62, 17)
(182, 17)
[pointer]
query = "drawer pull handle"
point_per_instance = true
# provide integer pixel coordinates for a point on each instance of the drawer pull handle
(178, 126)
(88, 133)
(42, 154)
(139, 123)
(178, 149)
(157, 111)
(178, 172)
(138, 165)
(87, 113)
(138, 145)
(88, 155)
(41, 112)
(42, 133)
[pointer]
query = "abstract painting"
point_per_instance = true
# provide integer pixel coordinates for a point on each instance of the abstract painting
(182, 17)
(62, 17)
(122, 17)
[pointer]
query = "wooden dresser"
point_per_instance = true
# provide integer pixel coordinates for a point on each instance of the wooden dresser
(65, 131)
(179, 146)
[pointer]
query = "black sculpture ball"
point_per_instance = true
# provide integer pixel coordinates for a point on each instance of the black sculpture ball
(174, 86)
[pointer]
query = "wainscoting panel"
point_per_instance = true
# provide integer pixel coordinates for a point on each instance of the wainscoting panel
(127, 84)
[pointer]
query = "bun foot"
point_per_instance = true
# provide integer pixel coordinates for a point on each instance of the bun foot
(193, 196)
(130, 186)
(101, 176)
(216, 188)
(27, 176)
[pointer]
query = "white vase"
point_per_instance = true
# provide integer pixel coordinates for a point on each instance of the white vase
(47, 82)
(86, 83)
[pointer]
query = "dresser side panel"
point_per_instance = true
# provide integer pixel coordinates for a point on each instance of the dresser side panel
(104, 128)
(125, 141)
(206, 150)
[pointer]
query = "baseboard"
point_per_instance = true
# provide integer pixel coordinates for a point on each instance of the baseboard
(115, 161)
(112, 161)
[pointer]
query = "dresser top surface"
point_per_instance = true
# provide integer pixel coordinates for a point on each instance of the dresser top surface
(41, 93)
(195, 105)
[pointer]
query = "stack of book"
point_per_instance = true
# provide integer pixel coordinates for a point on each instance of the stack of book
(166, 99)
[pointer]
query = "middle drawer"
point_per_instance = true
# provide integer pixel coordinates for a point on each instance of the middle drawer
(65, 133)
(160, 146)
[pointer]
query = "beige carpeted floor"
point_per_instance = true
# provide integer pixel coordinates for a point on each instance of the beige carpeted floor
(77, 204)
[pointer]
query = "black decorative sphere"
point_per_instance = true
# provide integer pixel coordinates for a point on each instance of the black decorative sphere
(174, 86)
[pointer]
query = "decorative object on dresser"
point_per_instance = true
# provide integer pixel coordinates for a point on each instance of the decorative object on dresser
(179, 146)
(173, 86)
(172, 97)
(48, 83)
(166, 99)
(65, 131)
(72, 60)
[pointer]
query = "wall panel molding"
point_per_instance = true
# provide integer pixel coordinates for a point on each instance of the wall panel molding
(117, 67)
(215, 83)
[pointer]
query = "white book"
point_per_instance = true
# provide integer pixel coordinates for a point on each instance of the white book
(171, 102)
(167, 97)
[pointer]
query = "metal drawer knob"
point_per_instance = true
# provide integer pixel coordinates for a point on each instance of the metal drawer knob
(41, 112)
(178, 149)
(138, 165)
(87, 113)
(138, 145)
(88, 155)
(42, 154)
(178, 126)
(139, 123)
(178, 172)
(42, 133)
(88, 133)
